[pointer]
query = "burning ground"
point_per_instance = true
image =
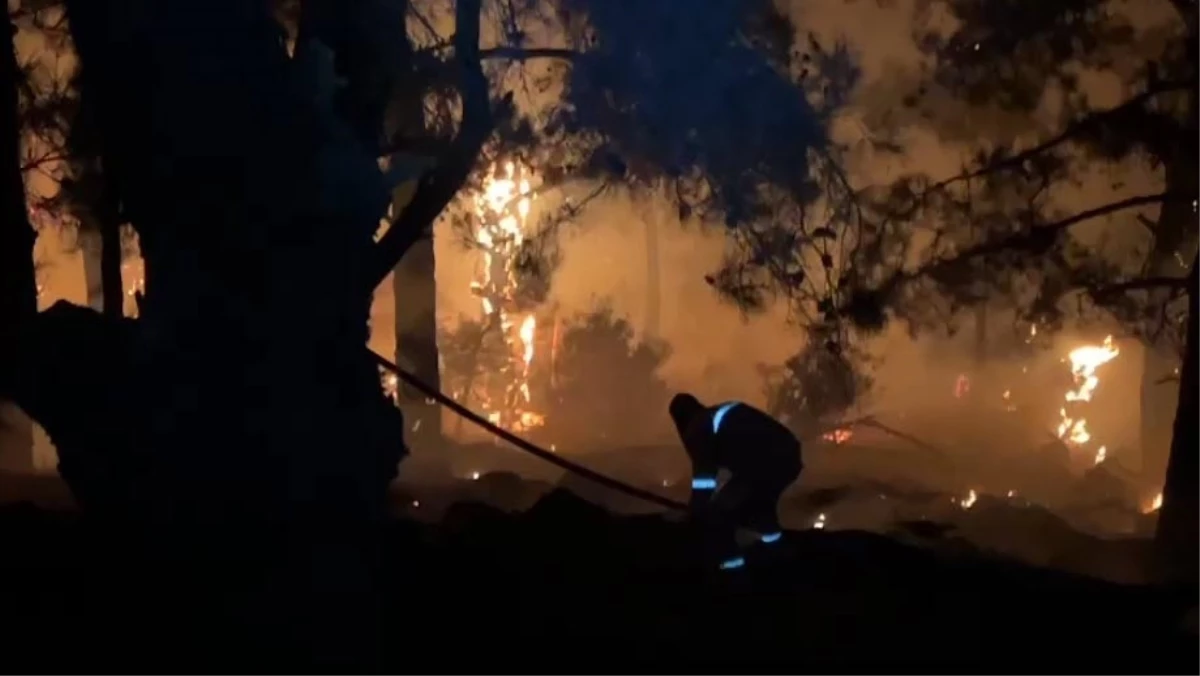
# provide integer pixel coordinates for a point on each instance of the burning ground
(1010, 462)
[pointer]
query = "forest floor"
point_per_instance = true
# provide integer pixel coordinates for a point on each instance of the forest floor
(567, 585)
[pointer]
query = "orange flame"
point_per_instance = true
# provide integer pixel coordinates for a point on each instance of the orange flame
(838, 436)
(1155, 504)
(1085, 362)
(502, 210)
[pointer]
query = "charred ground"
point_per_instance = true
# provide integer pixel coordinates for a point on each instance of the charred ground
(566, 584)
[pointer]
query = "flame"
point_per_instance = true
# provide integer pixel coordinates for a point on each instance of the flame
(839, 436)
(1101, 454)
(969, 501)
(391, 385)
(1155, 504)
(1008, 401)
(819, 522)
(502, 210)
(1085, 361)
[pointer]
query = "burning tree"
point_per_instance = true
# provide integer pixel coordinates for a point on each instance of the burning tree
(500, 227)
(664, 131)
(1150, 287)
(1085, 363)
(922, 248)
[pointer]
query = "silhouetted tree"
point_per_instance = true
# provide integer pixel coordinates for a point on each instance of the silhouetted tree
(1155, 124)
(41, 104)
(607, 388)
(18, 285)
(57, 135)
(819, 385)
(923, 248)
(469, 353)
(239, 419)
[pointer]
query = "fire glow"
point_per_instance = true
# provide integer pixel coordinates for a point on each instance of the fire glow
(838, 436)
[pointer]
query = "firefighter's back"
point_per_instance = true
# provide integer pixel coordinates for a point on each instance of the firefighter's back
(748, 440)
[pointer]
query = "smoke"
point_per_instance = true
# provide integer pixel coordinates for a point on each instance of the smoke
(716, 351)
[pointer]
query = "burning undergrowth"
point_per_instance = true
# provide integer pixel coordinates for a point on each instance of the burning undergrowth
(991, 468)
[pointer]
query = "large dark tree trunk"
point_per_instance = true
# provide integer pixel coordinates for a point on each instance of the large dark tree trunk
(241, 427)
(18, 283)
(1177, 539)
(1174, 234)
(1159, 392)
(89, 251)
(113, 294)
(415, 284)
(414, 281)
(100, 244)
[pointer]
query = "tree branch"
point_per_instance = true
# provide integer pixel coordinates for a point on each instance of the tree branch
(1034, 240)
(1144, 284)
(1086, 124)
(523, 54)
(438, 186)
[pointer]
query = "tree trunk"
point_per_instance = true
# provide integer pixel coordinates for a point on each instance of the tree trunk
(100, 246)
(1159, 392)
(414, 281)
(113, 295)
(1177, 537)
(415, 287)
(1177, 540)
(241, 435)
(90, 250)
(18, 281)
(1174, 237)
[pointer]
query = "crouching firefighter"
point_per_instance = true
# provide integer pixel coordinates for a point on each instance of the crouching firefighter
(761, 457)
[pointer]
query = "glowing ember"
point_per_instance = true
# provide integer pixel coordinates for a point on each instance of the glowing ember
(838, 436)
(962, 386)
(391, 385)
(969, 501)
(1008, 402)
(502, 211)
(1085, 361)
(1155, 504)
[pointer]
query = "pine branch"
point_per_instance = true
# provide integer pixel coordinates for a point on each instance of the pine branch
(438, 186)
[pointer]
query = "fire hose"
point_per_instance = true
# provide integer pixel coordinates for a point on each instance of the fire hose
(559, 461)
(527, 446)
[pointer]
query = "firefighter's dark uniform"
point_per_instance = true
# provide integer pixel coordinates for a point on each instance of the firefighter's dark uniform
(762, 457)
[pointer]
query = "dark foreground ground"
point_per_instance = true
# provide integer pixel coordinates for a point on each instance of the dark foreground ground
(567, 587)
